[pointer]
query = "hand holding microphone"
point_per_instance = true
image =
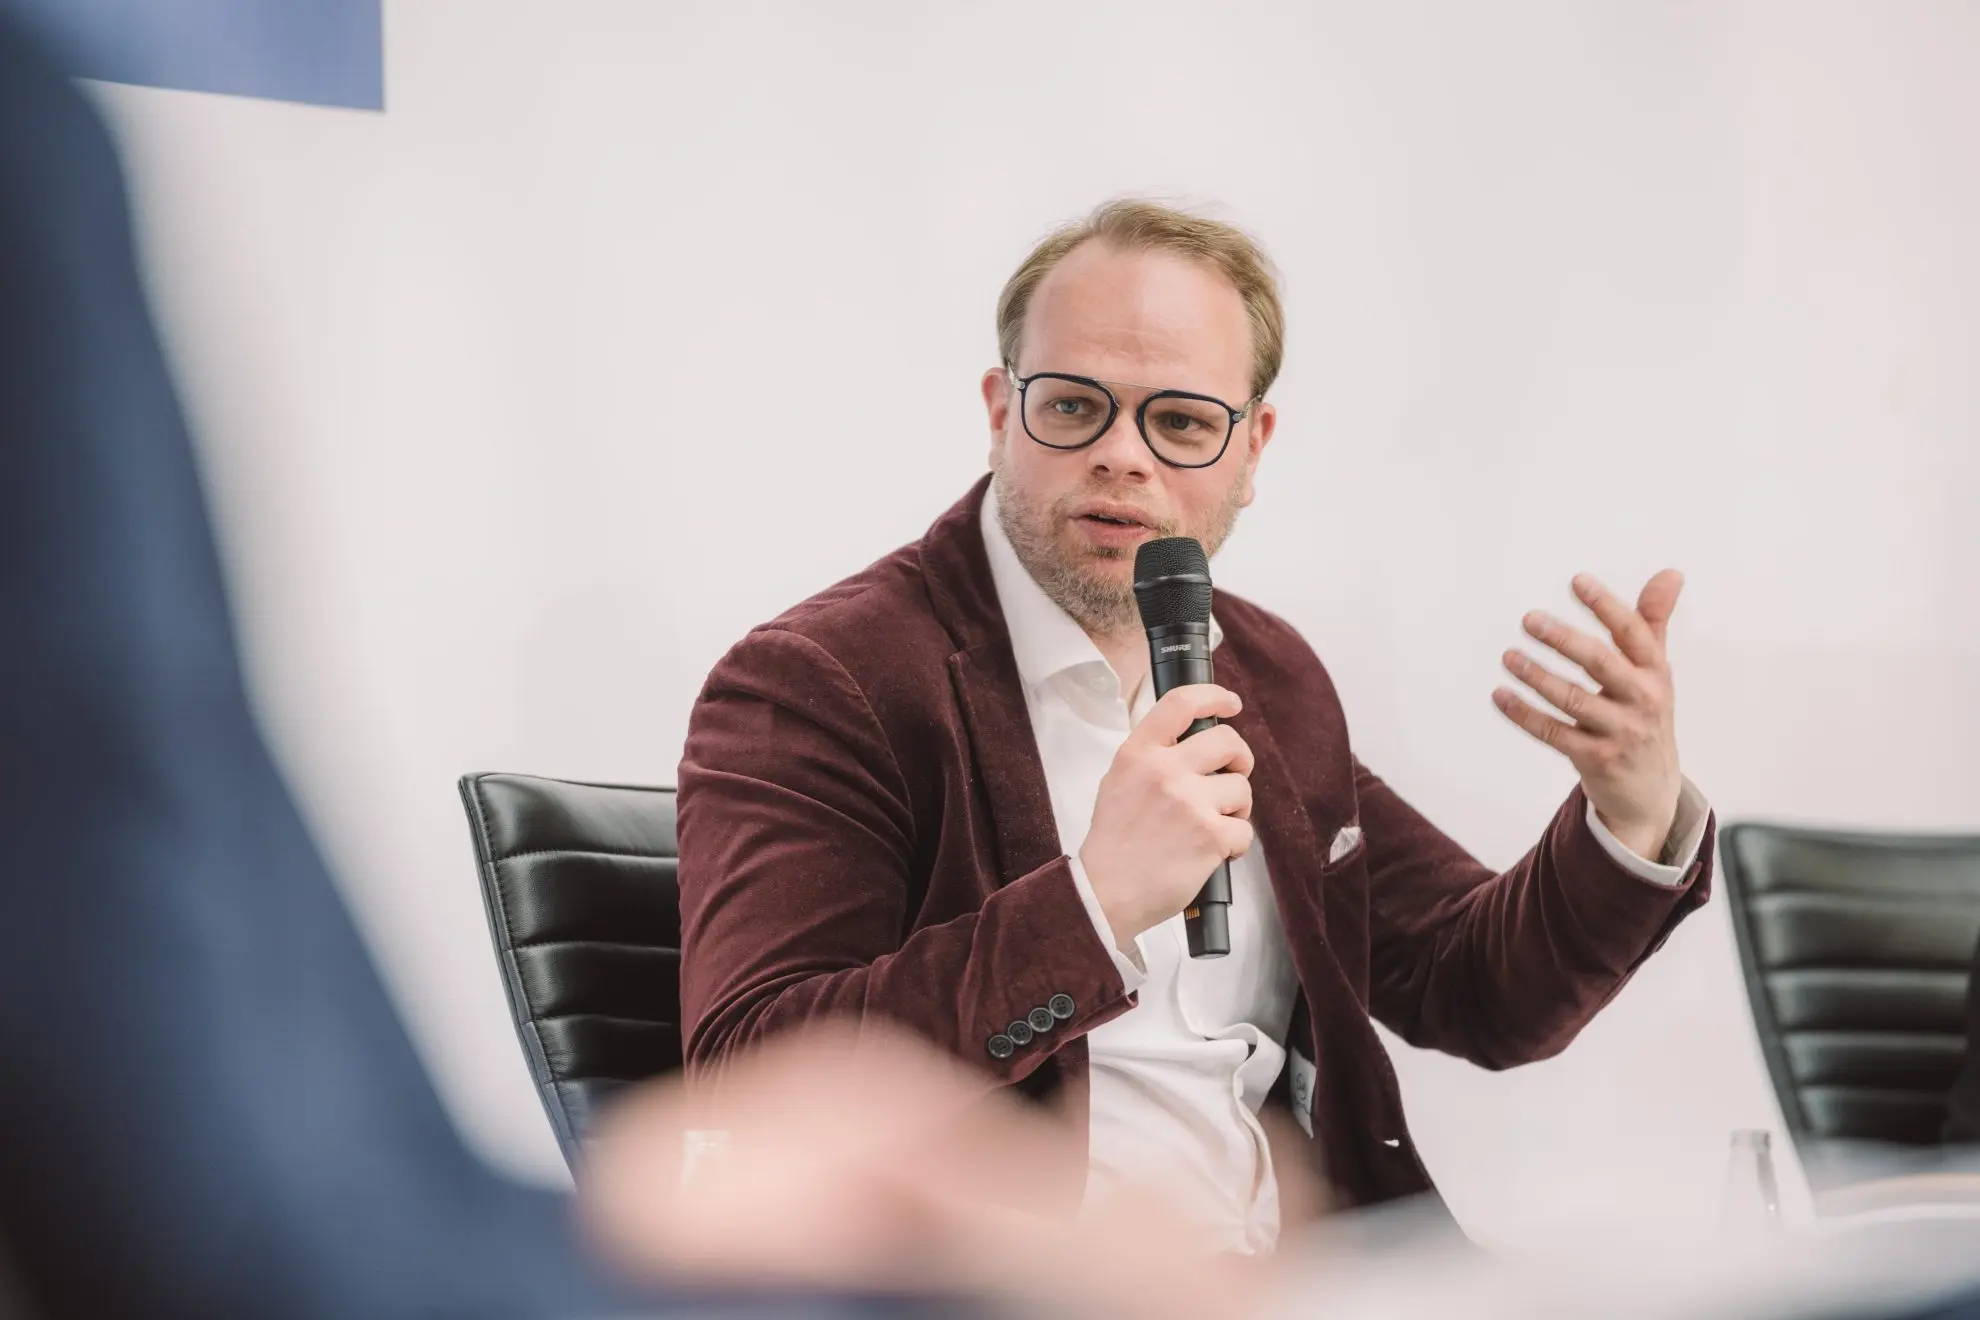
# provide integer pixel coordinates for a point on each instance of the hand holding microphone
(1175, 805)
(1172, 809)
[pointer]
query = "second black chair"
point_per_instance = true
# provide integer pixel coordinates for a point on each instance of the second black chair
(1857, 950)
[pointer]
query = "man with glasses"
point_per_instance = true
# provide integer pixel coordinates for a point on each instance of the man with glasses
(210, 1107)
(942, 794)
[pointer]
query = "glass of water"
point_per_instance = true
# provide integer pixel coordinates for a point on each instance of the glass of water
(1751, 1201)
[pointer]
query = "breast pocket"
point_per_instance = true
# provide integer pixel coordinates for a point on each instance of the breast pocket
(1344, 892)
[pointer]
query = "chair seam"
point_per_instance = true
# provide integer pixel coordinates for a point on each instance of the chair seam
(609, 944)
(587, 852)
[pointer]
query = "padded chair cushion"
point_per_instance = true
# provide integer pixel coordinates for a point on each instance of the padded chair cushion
(582, 889)
(1857, 950)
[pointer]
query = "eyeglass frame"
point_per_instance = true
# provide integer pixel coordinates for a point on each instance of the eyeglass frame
(1022, 383)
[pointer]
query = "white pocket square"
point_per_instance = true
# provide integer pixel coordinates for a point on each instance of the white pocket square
(1344, 843)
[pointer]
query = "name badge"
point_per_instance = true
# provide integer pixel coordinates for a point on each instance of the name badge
(1303, 1077)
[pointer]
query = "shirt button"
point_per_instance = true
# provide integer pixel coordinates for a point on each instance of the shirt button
(1060, 1006)
(1041, 1020)
(1001, 1046)
(1020, 1032)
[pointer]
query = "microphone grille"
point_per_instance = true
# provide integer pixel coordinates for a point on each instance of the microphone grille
(1172, 582)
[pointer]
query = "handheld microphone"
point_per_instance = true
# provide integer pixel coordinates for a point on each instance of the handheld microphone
(1172, 591)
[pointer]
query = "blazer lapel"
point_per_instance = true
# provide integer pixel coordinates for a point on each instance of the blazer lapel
(1291, 840)
(1005, 759)
(1003, 749)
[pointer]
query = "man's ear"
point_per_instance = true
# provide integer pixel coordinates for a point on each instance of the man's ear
(1259, 427)
(997, 398)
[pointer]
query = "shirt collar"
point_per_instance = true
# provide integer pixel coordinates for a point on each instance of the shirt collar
(1046, 640)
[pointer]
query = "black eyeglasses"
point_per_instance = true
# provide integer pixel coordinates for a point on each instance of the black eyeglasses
(1071, 412)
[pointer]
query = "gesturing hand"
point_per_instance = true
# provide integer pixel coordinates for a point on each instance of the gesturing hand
(1622, 736)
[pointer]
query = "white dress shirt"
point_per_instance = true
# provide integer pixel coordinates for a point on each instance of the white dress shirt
(1177, 1080)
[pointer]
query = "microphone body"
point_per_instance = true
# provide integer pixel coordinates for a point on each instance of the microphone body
(1172, 591)
(1178, 655)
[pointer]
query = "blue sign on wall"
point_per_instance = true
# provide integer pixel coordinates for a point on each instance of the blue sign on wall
(324, 52)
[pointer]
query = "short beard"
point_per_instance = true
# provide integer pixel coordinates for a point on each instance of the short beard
(1102, 606)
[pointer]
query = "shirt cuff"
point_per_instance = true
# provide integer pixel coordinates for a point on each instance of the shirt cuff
(1680, 846)
(1134, 972)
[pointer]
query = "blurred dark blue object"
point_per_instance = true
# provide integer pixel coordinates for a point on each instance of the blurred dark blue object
(208, 1105)
(326, 52)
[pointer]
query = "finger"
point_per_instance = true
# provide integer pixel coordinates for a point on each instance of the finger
(1228, 795)
(1632, 634)
(1611, 671)
(1659, 601)
(1557, 734)
(1589, 710)
(1173, 714)
(1234, 835)
(1222, 749)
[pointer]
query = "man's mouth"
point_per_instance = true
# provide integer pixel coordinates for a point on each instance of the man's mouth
(1113, 515)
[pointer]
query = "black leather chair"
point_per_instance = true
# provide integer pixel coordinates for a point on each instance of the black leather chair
(581, 885)
(1963, 1118)
(1857, 950)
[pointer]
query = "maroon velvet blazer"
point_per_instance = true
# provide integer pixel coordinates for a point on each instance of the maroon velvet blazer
(865, 830)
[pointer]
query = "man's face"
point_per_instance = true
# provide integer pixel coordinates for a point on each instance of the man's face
(1076, 516)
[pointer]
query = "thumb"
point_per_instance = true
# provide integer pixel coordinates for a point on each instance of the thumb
(1659, 601)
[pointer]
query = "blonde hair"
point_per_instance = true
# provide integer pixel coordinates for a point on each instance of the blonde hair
(1135, 225)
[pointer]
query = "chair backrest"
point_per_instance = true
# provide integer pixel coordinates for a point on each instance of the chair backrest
(581, 885)
(1857, 950)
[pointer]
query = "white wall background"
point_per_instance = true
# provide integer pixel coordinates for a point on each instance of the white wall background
(527, 397)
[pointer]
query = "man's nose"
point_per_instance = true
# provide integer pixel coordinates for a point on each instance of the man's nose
(1119, 452)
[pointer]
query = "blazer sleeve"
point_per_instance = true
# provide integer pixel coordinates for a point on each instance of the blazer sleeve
(1505, 969)
(801, 890)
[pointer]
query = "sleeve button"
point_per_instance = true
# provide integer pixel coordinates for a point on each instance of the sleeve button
(1020, 1032)
(1041, 1020)
(1060, 1006)
(1001, 1046)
